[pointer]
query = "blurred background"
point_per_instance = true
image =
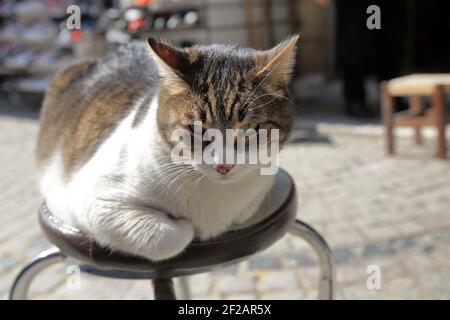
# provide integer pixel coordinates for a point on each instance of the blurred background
(373, 209)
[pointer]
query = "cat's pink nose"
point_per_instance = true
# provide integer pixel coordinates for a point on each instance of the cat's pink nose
(223, 168)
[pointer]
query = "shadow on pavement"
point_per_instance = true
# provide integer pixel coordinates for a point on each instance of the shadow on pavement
(23, 106)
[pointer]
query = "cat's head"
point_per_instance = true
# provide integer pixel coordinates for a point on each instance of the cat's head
(224, 87)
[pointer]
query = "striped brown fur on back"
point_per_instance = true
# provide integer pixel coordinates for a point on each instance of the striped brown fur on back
(87, 100)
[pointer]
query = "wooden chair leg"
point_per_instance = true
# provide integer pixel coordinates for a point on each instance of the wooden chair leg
(439, 105)
(417, 135)
(416, 109)
(387, 110)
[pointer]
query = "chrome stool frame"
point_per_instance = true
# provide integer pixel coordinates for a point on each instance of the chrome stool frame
(163, 287)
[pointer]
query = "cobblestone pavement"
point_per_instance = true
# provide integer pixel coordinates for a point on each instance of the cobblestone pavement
(392, 212)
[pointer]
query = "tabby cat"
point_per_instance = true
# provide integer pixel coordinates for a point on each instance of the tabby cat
(104, 146)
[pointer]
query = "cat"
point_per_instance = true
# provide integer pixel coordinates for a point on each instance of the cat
(104, 146)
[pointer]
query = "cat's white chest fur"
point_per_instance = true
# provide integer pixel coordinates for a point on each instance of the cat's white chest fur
(211, 206)
(126, 179)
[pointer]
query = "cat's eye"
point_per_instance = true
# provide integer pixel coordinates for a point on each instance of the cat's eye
(248, 126)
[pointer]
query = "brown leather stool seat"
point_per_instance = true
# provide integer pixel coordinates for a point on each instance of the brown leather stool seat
(199, 256)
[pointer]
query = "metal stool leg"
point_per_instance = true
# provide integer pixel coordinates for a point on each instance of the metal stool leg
(327, 272)
(163, 288)
(19, 290)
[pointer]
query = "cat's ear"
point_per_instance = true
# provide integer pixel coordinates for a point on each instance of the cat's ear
(171, 60)
(277, 64)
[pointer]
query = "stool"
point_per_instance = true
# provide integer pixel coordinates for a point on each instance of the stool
(416, 86)
(267, 226)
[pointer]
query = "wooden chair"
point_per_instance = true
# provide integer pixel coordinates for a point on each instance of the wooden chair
(416, 87)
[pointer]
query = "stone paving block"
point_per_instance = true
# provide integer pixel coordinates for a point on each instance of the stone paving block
(228, 284)
(405, 288)
(230, 269)
(351, 273)
(437, 283)
(360, 291)
(139, 290)
(384, 248)
(443, 237)
(6, 280)
(382, 233)
(280, 247)
(241, 296)
(312, 294)
(296, 243)
(343, 255)
(97, 288)
(209, 296)
(62, 293)
(434, 221)
(309, 278)
(418, 263)
(49, 279)
(441, 257)
(407, 228)
(390, 267)
(263, 263)
(300, 260)
(277, 281)
(344, 239)
(200, 284)
(296, 294)
(7, 263)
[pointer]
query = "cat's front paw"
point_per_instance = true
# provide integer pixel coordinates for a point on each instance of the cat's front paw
(171, 239)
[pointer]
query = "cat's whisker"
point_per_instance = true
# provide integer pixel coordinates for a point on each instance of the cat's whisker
(176, 170)
(282, 97)
(167, 165)
(162, 168)
(185, 175)
(173, 171)
(259, 106)
(166, 173)
(265, 95)
(187, 179)
(255, 99)
(168, 183)
(199, 179)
